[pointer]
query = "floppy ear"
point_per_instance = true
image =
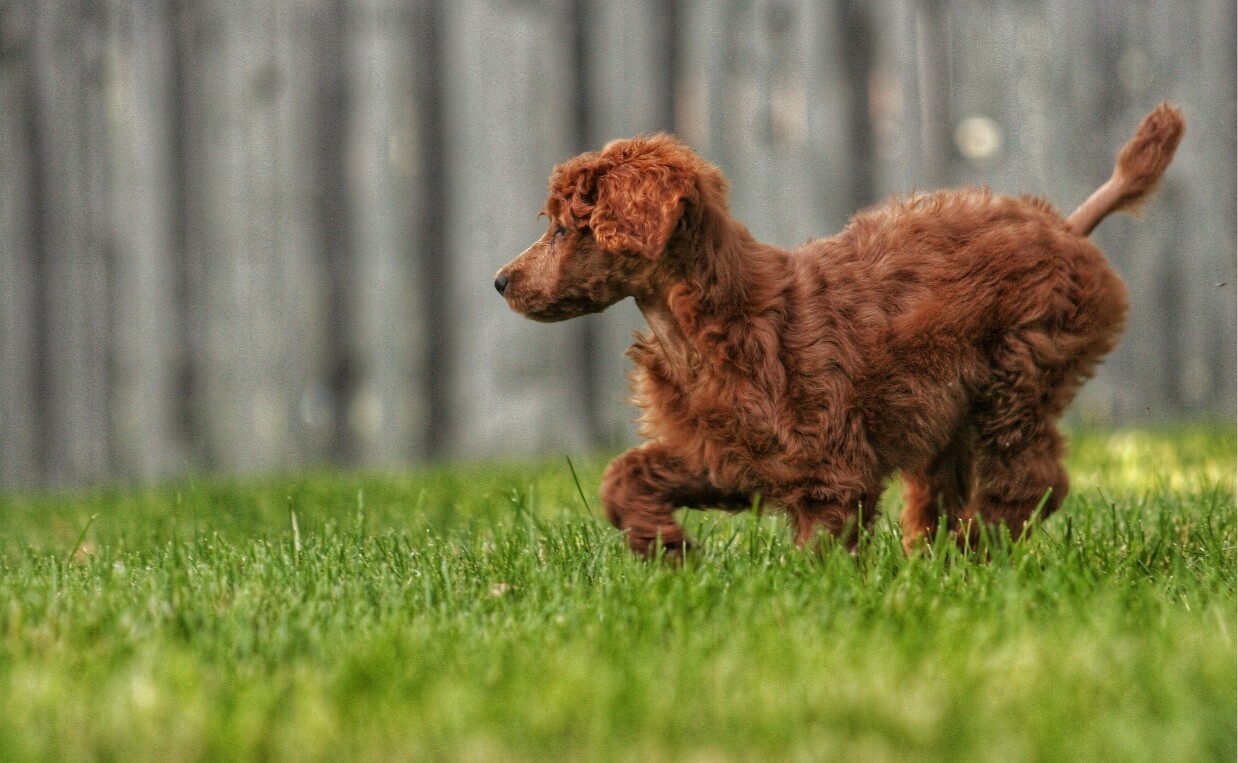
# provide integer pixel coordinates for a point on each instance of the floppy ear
(638, 207)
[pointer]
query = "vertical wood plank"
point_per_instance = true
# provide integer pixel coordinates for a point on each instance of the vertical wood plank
(324, 406)
(508, 117)
(916, 82)
(430, 86)
(780, 140)
(386, 413)
(258, 293)
(310, 227)
(859, 72)
(1000, 85)
(1207, 80)
(702, 75)
(140, 160)
(66, 56)
(893, 95)
(223, 331)
(20, 425)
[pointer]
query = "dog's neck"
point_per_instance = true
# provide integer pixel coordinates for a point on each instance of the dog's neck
(718, 279)
(668, 333)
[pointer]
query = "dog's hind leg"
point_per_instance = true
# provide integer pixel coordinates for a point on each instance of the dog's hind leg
(1014, 479)
(1018, 466)
(940, 490)
(641, 490)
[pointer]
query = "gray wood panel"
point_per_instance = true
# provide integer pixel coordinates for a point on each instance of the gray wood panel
(21, 436)
(258, 292)
(777, 137)
(141, 239)
(65, 56)
(385, 412)
(508, 118)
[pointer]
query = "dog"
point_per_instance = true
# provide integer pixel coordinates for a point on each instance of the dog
(941, 335)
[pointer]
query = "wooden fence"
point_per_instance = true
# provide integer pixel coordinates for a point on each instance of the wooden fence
(260, 234)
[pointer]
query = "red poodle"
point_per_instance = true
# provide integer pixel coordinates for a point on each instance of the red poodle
(941, 335)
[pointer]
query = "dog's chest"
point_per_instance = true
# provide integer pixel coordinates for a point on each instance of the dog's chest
(732, 426)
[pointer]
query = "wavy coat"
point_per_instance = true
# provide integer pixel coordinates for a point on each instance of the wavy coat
(940, 335)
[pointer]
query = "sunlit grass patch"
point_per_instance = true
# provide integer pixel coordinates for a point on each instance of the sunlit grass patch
(484, 613)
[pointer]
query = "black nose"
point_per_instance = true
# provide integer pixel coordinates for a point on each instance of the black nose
(500, 284)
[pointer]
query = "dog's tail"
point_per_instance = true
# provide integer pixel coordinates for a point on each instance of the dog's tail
(1141, 162)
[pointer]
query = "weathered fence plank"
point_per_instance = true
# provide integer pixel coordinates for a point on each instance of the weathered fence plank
(386, 410)
(916, 48)
(1204, 251)
(513, 383)
(67, 99)
(258, 294)
(778, 139)
(21, 437)
(141, 236)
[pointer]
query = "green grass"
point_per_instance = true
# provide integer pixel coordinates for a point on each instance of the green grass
(482, 613)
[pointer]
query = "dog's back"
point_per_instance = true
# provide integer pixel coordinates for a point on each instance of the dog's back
(981, 262)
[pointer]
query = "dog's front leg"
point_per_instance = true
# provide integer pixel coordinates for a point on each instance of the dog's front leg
(641, 490)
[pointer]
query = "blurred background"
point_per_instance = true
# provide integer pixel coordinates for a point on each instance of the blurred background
(255, 235)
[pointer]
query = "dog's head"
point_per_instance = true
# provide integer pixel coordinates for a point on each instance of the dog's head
(613, 216)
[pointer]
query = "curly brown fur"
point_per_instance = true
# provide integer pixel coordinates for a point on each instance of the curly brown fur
(941, 335)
